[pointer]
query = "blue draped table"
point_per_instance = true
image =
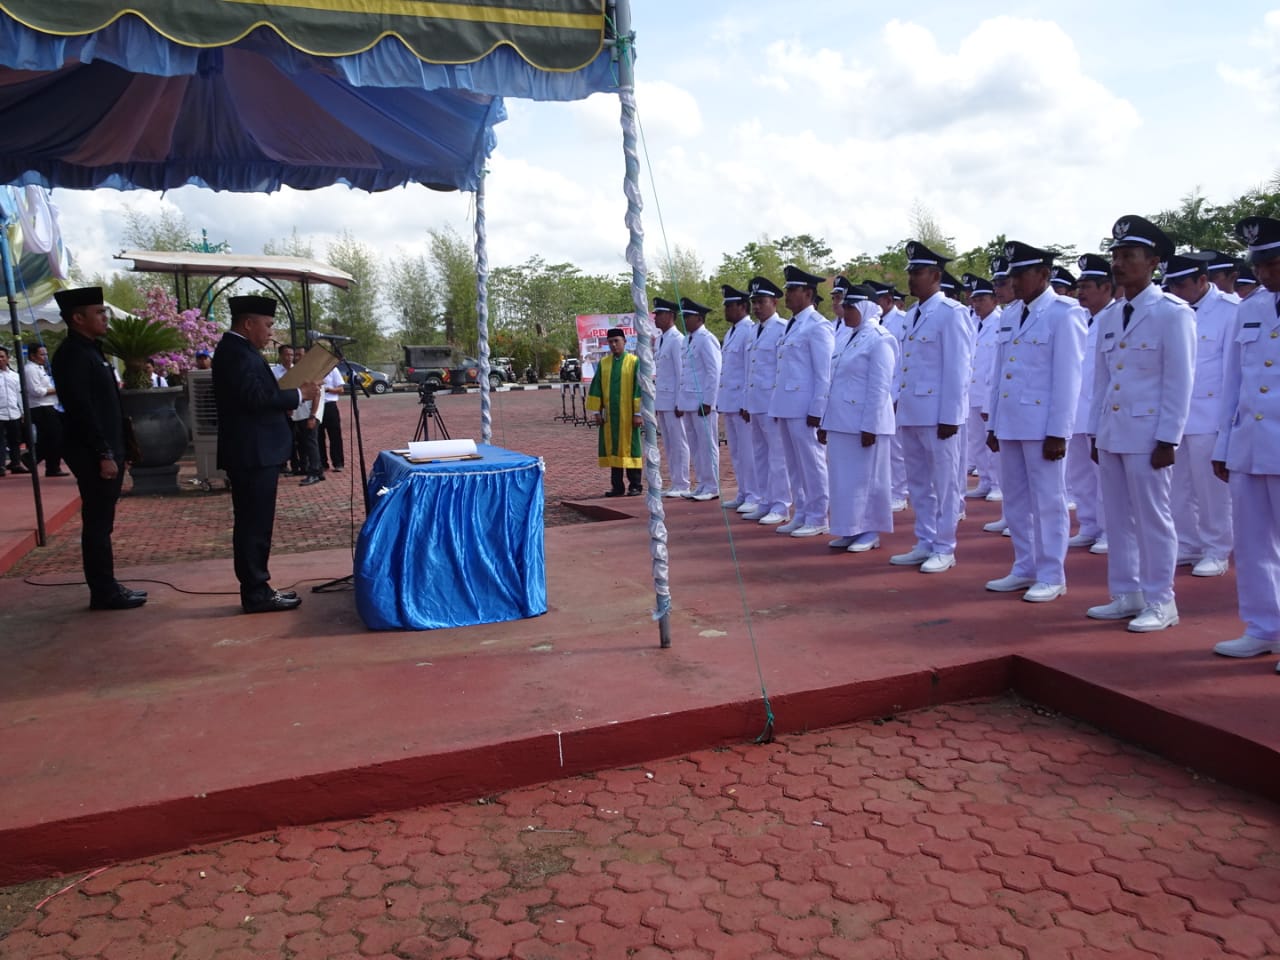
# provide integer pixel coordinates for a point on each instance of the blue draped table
(452, 543)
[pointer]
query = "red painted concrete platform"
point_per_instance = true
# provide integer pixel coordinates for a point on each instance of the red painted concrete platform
(18, 529)
(137, 732)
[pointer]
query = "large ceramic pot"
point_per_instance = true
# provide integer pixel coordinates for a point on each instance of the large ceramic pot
(161, 436)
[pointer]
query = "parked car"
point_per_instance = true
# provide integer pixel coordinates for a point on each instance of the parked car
(571, 369)
(375, 381)
(505, 366)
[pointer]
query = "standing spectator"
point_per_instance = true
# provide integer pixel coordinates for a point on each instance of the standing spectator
(1247, 454)
(666, 362)
(93, 441)
(306, 434)
(204, 360)
(614, 398)
(10, 416)
(699, 381)
(773, 501)
(42, 401)
(1141, 394)
(734, 353)
(153, 377)
(284, 363)
(332, 452)
(253, 440)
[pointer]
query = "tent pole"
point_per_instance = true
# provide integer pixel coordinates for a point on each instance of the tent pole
(623, 55)
(482, 314)
(6, 255)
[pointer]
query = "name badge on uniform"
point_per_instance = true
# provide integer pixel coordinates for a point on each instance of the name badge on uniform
(1006, 329)
(1108, 336)
(1253, 326)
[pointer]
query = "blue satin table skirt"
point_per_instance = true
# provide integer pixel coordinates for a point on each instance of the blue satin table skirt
(452, 543)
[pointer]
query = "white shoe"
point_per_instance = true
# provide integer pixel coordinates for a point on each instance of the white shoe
(682, 492)
(861, 545)
(1044, 592)
(769, 519)
(755, 513)
(995, 496)
(809, 530)
(938, 563)
(996, 526)
(1210, 567)
(1010, 584)
(704, 496)
(898, 506)
(977, 493)
(913, 558)
(1245, 646)
(1099, 548)
(1006, 532)
(747, 507)
(790, 526)
(1122, 607)
(733, 504)
(1156, 616)
(841, 543)
(1188, 559)
(961, 516)
(1082, 540)
(1071, 506)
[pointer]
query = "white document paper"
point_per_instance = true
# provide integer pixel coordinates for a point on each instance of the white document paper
(439, 449)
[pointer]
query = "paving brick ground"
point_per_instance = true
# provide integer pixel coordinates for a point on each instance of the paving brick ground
(968, 831)
(196, 524)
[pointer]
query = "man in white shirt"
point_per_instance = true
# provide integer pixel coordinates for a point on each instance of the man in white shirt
(332, 452)
(306, 428)
(982, 299)
(893, 319)
(42, 401)
(1084, 486)
(772, 501)
(695, 404)
(667, 357)
(10, 416)
(732, 396)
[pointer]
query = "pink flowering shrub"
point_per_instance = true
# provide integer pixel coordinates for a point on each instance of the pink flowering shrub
(197, 332)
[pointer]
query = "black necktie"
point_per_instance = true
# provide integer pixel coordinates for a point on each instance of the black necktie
(1128, 312)
(759, 330)
(1026, 312)
(1278, 305)
(790, 324)
(917, 319)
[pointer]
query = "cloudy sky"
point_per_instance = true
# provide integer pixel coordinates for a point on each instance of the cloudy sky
(1043, 121)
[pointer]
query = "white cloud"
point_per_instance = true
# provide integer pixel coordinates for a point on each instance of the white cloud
(1261, 83)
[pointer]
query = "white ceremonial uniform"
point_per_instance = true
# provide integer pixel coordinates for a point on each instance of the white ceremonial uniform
(1084, 483)
(773, 492)
(667, 360)
(962, 463)
(804, 376)
(699, 381)
(1249, 444)
(895, 321)
(1034, 395)
(1202, 502)
(860, 399)
(985, 349)
(1141, 395)
(731, 400)
(936, 359)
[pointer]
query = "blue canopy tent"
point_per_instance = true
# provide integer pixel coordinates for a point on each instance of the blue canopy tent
(250, 96)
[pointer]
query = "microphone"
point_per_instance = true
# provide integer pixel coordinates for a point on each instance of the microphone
(314, 335)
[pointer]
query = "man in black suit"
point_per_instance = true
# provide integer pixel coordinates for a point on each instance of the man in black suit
(93, 440)
(253, 440)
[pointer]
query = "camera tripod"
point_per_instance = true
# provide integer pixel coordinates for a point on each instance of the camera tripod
(430, 414)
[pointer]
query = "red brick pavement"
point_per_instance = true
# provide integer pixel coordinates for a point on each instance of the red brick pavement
(967, 831)
(196, 524)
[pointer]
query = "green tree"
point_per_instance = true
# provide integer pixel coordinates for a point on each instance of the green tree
(293, 246)
(354, 312)
(454, 264)
(414, 300)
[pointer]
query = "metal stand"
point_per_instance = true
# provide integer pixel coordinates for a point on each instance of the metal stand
(348, 582)
(430, 414)
(564, 416)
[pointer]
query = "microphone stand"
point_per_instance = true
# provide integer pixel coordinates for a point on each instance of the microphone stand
(348, 581)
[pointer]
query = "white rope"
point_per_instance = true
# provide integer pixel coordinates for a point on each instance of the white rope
(482, 314)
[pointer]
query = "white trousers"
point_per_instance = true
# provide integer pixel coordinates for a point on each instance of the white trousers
(1084, 486)
(676, 444)
(704, 450)
(897, 467)
(931, 478)
(1035, 507)
(1143, 544)
(742, 455)
(1201, 502)
(807, 467)
(1256, 508)
(774, 489)
(979, 454)
(962, 463)
(859, 480)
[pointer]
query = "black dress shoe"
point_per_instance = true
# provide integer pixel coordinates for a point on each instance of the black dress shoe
(18, 468)
(634, 492)
(56, 473)
(615, 493)
(314, 478)
(120, 600)
(287, 594)
(273, 603)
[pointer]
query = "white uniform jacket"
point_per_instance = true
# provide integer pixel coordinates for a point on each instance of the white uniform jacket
(860, 397)
(1142, 378)
(762, 364)
(666, 365)
(984, 360)
(1086, 372)
(699, 370)
(1036, 384)
(733, 366)
(937, 355)
(1249, 440)
(1215, 326)
(804, 366)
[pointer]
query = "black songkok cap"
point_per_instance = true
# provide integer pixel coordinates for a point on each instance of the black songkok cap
(69, 300)
(615, 332)
(258, 306)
